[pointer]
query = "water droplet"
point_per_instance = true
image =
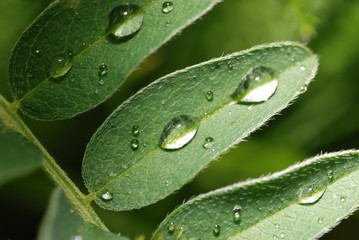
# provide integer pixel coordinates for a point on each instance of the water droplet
(29, 73)
(167, 183)
(78, 237)
(135, 144)
(230, 66)
(216, 230)
(282, 235)
(258, 85)
(330, 174)
(101, 82)
(125, 20)
(103, 70)
(237, 213)
(208, 143)
(209, 95)
(167, 7)
(342, 199)
(37, 51)
(72, 79)
(312, 198)
(275, 237)
(107, 196)
(178, 132)
(71, 211)
(303, 89)
(135, 130)
(59, 66)
(277, 226)
(171, 227)
(320, 220)
(96, 91)
(168, 23)
(302, 68)
(69, 52)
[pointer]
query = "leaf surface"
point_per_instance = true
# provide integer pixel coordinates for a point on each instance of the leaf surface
(73, 36)
(301, 202)
(135, 178)
(62, 222)
(18, 156)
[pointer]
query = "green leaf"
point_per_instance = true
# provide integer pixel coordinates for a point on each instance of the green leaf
(18, 156)
(301, 202)
(128, 178)
(62, 222)
(55, 68)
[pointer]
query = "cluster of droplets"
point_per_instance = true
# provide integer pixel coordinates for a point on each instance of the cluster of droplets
(135, 132)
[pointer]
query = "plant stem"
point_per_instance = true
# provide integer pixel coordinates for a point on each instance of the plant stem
(77, 199)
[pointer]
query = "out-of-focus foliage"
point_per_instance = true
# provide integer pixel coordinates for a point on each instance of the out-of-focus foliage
(325, 118)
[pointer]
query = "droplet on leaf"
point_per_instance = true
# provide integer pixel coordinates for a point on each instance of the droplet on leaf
(312, 198)
(209, 96)
(59, 66)
(107, 196)
(216, 230)
(135, 130)
(171, 227)
(167, 7)
(208, 143)
(135, 144)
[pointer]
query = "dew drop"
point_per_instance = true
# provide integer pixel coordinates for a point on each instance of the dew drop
(167, 7)
(59, 66)
(125, 20)
(107, 196)
(168, 23)
(282, 235)
(78, 237)
(258, 85)
(29, 73)
(302, 68)
(277, 226)
(171, 227)
(101, 82)
(167, 183)
(209, 96)
(178, 132)
(37, 51)
(216, 230)
(303, 89)
(330, 174)
(312, 198)
(103, 70)
(237, 213)
(342, 199)
(96, 91)
(72, 79)
(135, 144)
(208, 143)
(135, 130)
(230, 66)
(320, 220)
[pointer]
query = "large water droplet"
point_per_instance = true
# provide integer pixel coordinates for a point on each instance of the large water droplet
(216, 230)
(135, 130)
(135, 144)
(167, 7)
(171, 227)
(209, 95)
(312, 198)
(125, 20)
(107, 196)
(208, 143)
(59, 66)
(258, 85)
(178, 132)
(237, 213)
(103, 70)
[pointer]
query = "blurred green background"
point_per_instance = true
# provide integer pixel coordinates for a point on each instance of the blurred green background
(324, 119)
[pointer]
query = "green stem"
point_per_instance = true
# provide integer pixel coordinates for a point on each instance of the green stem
(77, 199)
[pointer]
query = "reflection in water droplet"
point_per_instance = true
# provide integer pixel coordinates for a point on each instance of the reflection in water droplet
(178, 132)
(320, 220)
(237, 214)
(216, 230)
(135, 130)
(135, 144)
(342, 199)
(107, 196)
(258, 85)
(125, 20)
(59, 66)
(167, 7)
(171, 227)
(103, 70)
(209, 95)
(312, 198)
(208, 143)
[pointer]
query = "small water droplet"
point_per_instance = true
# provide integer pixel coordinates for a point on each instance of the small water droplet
(258, 85)
(342, 199)
(230, 66)
(171, 227)
(302, 68)
(208, 143)
(72, 79)
(167, 183)
(29, 73)
(209, 95)
(320, 220)
(103, 70)
(237, 213)
(59, 66)
(178, 132)
(330, 174)
(216, 230)
(71, 211)
(69, 52)
(312, 198)
(101, 82)
(282, 235)
(168, 23)
(135, 144)
(107, 196)
(125, 20)
(37, 51)
(167, 7)
(96, 91)
(275, 237)
(277, 226)
(135, 130)
(78, 237)
(229, 113)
